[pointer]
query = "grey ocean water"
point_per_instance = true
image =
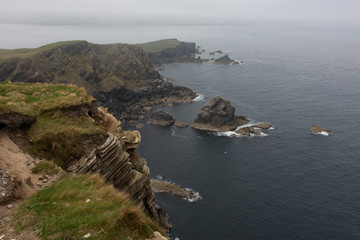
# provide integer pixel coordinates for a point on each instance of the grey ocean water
(287, 185)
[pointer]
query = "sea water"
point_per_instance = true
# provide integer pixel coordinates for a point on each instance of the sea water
(288, 184)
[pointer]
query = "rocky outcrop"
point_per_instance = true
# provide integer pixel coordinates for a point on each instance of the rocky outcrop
(181, 124)
(254, 129)
(218, 115)
(10, 187)
(131, 104)
(171, 188)
(161, 118)
(225, 60)
(183, 52)
(318, 130)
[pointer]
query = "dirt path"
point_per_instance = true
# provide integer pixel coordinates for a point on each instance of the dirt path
(17, 166)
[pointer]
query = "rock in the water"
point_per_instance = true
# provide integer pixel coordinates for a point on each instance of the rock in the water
(161, 118)
(218, 115)
(318, 130)
(181, 124)
(265, 126)
(225, 60)
(247, 131)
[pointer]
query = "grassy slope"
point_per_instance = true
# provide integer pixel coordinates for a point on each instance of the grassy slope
(28, 52)
(158, 46)
(61, 212)
(33, 99)
(93, 66)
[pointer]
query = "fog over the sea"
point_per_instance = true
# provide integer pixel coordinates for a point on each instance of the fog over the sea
(175, 12)
(21, 17)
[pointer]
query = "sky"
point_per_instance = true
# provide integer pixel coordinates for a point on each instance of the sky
(117, 12)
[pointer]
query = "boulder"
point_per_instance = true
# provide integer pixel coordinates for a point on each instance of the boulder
(218, 115)
(181, 124)
(318, 130)
(161, 118)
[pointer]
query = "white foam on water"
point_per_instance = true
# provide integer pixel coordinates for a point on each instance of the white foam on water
(234, 134)
(239, 62)
(159, 177)
(199, 98)
(176, 135)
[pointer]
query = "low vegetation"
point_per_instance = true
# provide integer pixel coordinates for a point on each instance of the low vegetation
(83, 205)
(28, 52)
(34, 99)
(158, 46)
(45, 167)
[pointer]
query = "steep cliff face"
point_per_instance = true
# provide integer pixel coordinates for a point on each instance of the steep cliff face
(170, 50)
(119, 163)
(104, 70)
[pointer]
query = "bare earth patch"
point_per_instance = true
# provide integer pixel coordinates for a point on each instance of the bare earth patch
(18, 166)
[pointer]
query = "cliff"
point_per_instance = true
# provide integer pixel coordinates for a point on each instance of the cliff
(170, 51)
(68, 127)
(104, 70)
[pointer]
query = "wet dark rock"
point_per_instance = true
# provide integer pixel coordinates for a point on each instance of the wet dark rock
(161, 118)
(218, 115)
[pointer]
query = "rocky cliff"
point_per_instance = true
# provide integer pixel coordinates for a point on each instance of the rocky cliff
(69, 128)
(121, 76)
(170, 51)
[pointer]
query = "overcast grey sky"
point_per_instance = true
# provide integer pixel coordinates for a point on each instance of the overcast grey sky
(176, 12)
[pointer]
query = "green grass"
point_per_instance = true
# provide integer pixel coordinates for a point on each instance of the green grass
(157, 46)
(6, 54)
(45, 167)
(34, 99)
(61, 138)
(61, 212)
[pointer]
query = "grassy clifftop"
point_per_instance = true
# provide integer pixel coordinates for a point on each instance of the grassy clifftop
(78, 206)
(158, 46)
(55, 132)
(97, 67)
(34, 99)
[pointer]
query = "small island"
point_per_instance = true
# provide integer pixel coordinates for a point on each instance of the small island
(218, 115)
(319, 130)
(161, 118)
(225, 60)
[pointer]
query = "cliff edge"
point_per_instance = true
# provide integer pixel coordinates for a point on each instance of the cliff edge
(63, 124)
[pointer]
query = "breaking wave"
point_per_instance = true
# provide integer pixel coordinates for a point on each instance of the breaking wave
(199, 98)
(234, 134)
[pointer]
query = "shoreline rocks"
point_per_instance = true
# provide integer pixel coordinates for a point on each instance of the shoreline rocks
(218, 115)
(171, 188)
(161, 118)
(314, 129)
(181, 124)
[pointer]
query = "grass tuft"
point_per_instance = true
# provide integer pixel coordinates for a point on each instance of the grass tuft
(61, 212)
(45, 167)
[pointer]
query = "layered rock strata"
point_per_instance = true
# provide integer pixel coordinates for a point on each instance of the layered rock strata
(118, 162)
(218, 115)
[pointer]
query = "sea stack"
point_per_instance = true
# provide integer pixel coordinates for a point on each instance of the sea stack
(219, 116)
